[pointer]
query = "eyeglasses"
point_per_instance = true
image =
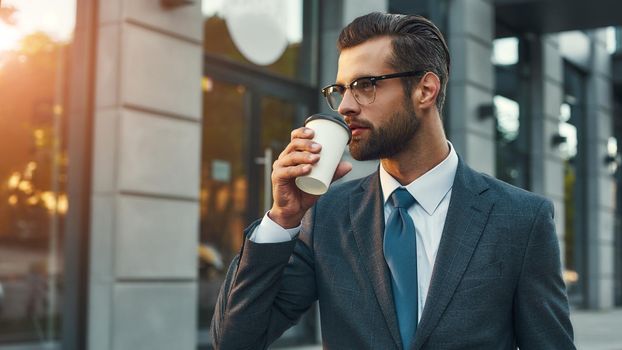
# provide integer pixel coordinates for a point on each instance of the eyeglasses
(363, 89)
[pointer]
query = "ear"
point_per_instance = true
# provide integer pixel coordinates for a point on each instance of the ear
(427, 91)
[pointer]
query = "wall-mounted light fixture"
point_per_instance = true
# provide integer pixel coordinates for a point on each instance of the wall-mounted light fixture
(613, 159)
(485, 111)
(558, 139)
(613, 162)
(176, 3)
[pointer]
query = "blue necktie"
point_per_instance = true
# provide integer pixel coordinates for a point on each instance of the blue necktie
(400, 252)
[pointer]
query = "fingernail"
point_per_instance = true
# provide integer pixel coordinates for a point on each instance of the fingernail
(308, 131)
(306, 168)
(315, 146)
(313, 156)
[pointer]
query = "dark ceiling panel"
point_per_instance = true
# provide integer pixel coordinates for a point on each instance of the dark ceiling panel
(616, 72)
(548, 16)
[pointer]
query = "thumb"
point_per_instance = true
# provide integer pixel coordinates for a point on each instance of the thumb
(342, 169)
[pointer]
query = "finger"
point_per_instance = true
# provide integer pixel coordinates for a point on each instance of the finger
(286, 174)
(301, 145)
(342, 169)
(302, 133)
(296, 158)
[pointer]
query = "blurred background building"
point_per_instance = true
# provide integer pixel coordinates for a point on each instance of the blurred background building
(137, 136)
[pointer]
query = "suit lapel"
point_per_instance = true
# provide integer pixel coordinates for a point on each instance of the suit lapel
(466, 218)
(367, 218)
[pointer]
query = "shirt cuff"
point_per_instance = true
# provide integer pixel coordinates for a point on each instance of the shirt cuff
(269, 231)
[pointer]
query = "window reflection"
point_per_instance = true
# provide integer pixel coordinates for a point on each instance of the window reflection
(508, 122)
(242, 131)
(33, 62)
(223, 189)
(567, 149)
(505, 51)
(278, 119)
(572, 129)
(512, 122)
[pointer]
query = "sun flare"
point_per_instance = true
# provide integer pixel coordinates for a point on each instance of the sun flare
(9, 37)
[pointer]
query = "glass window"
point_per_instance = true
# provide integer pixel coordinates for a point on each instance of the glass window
(223, 191)
(511, 101)
(612, 45)
(236, 188)
(572, 128)
(35, 37)
(255, 121)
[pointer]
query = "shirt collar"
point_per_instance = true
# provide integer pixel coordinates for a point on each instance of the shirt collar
(430, 188)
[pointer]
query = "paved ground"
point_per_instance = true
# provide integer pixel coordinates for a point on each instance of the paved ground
(598, 330)
(594, 330)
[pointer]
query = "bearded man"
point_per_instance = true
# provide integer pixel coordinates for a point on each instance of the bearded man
(425, 253)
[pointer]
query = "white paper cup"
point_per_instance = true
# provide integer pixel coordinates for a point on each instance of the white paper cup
(333, 134)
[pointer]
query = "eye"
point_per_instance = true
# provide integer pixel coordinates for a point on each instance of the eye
(335, 89)
(364, 84)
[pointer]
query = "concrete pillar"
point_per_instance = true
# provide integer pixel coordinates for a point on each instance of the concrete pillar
(600, 183)
(471, 83)
(145, 194)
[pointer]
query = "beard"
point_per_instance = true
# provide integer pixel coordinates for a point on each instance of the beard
(385, 141)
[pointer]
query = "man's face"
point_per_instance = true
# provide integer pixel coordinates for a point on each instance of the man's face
(383, 128)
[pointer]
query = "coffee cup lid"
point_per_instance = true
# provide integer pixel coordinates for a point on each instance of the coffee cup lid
(333, 118)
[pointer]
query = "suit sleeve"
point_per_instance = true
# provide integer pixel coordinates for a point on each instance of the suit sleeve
(541, 313)
(267, 288)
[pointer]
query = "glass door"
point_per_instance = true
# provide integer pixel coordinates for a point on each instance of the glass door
(246, 125)
(259, 84)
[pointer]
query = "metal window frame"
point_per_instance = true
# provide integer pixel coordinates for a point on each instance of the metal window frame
(81, 92)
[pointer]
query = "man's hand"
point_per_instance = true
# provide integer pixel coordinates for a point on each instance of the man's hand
(290, 203)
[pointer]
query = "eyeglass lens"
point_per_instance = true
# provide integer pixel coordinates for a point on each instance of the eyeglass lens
(362, 90)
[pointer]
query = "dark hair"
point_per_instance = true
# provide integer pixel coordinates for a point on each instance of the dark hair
(417, 44)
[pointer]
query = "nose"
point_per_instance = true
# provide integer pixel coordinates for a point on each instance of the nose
(349, 106)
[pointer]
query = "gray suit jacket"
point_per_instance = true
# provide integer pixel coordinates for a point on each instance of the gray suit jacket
(496, 282)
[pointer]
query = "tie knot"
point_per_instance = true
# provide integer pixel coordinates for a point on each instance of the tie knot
(401, 198)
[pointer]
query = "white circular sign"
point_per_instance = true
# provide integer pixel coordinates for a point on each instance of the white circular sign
(256, 31)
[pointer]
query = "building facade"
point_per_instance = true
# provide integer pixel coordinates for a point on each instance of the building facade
(145, 139)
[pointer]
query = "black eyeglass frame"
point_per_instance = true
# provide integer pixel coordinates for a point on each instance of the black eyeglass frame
(372, 79)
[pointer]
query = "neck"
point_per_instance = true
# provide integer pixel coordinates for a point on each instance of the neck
(427, 149)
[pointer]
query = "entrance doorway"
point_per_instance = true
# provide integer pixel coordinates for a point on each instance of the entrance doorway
(247, 122)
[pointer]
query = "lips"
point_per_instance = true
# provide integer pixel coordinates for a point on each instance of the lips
(357, 128)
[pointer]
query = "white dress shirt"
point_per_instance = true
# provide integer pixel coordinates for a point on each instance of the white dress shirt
(432, 192)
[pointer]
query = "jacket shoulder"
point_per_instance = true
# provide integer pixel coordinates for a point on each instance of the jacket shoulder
(514, 199)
